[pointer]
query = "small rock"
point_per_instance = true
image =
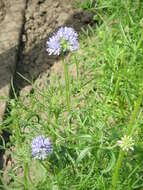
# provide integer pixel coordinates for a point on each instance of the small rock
(24, 38)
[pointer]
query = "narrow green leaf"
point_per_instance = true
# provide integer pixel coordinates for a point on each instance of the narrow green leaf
(111, 164)
(83, 153)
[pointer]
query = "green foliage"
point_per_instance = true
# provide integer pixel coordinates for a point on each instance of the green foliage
(84, 141)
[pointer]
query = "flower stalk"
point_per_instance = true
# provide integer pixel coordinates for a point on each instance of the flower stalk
(128, 133)
(77, 68)
(64, 40)
(18, 134)
(117, 169)
(25, 175)
(66, 76)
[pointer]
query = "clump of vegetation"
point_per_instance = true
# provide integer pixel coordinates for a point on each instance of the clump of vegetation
(98, 145)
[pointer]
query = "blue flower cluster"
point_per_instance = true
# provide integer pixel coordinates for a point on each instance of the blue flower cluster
(67, 34)
(41, 147)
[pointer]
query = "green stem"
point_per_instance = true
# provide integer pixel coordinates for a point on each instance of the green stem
(25, 175)
(114, 96)
(116, 90)
(116, 87)
(139, 42)
(128, 133)
(18, 134)
(117, 169)
(45, 165)
(134, 115)
(66, 83)
(77, 68)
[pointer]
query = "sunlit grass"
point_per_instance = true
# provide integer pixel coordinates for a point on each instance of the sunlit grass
(104, 97)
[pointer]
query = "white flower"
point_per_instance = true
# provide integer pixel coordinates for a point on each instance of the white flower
(126, 143)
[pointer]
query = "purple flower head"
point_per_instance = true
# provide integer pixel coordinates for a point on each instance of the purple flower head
(41, 146)
(65, 39)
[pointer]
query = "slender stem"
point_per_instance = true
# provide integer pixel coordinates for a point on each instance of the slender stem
(117, 169)
(114, 96)
(18, 134)
(116, 90)
(45, 165)
(25, 175)
(128, 133)
(66, 83)
(134, 115)
(139, 42)
(77, 68)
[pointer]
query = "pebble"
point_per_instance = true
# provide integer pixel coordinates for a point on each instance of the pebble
(24, 38)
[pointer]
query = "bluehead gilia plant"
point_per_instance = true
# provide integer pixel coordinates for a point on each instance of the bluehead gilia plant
(64, 40)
